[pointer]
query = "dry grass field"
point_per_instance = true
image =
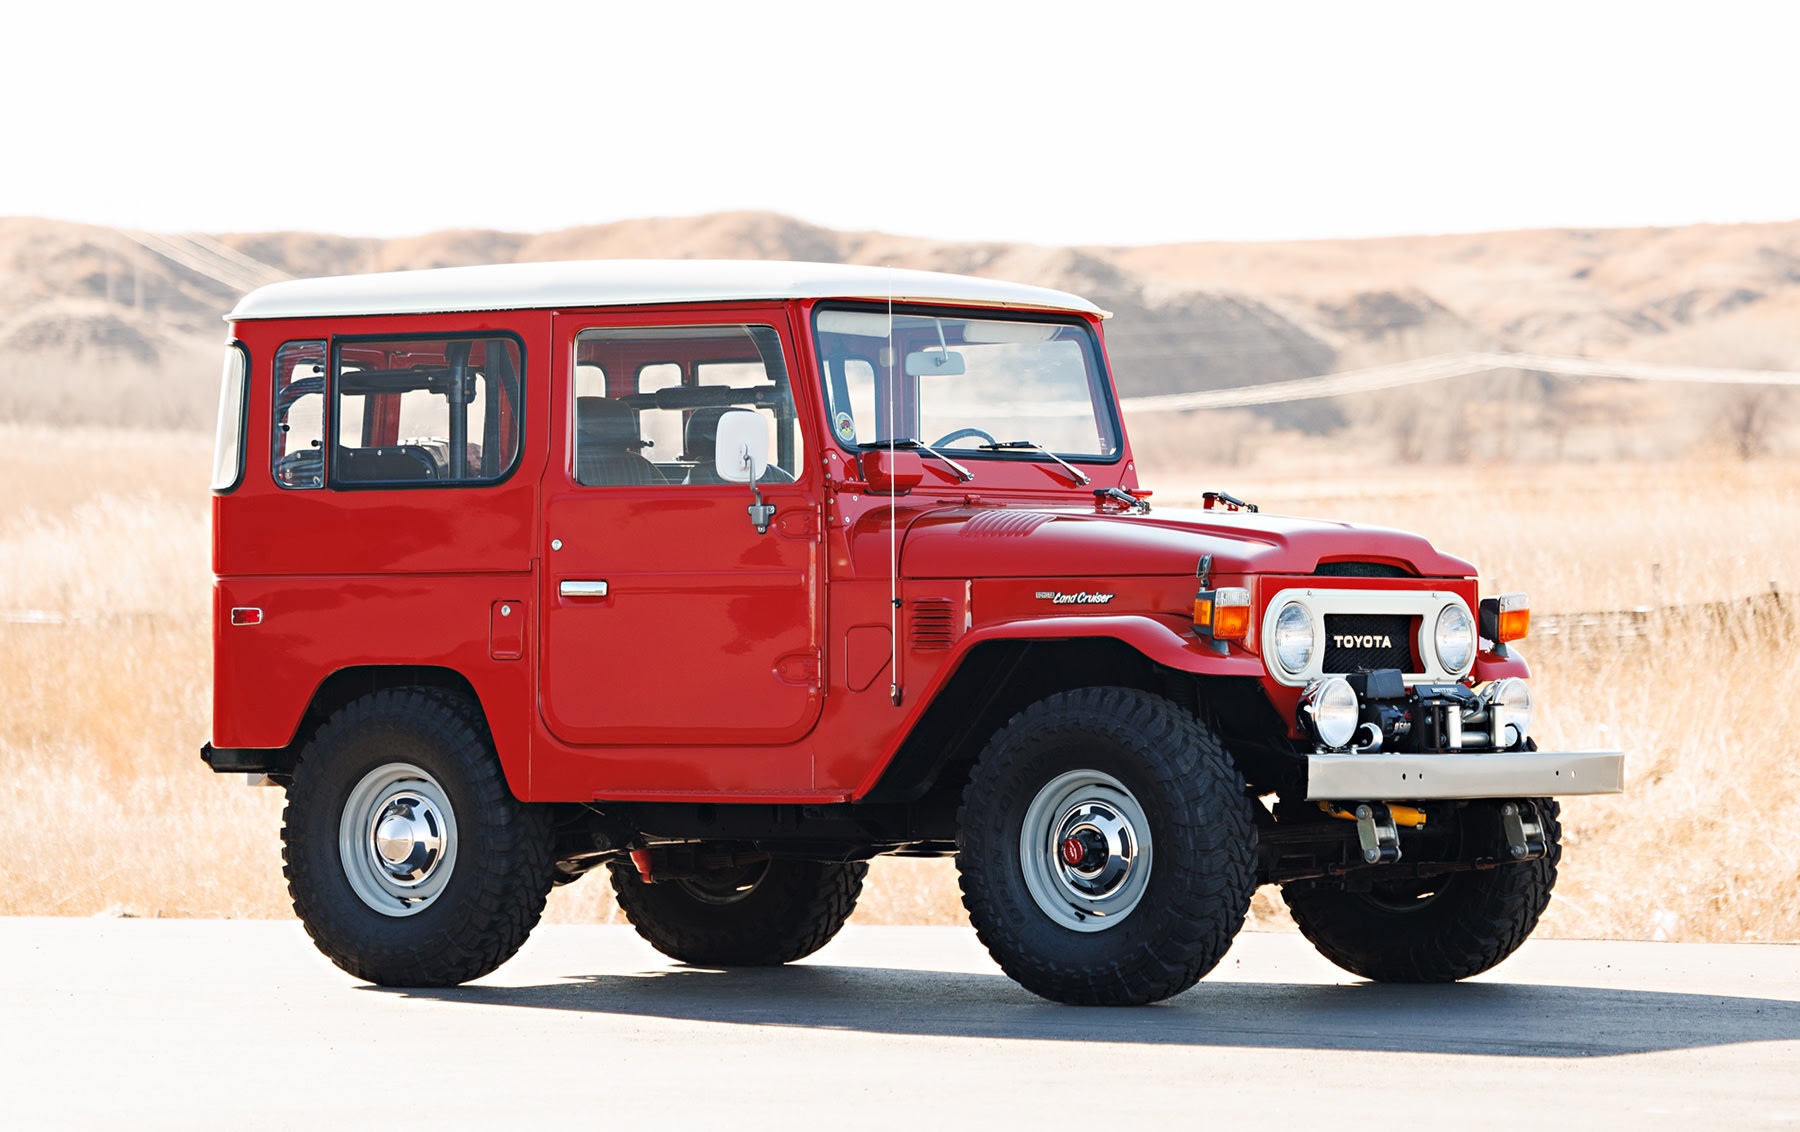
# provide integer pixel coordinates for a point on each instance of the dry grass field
(106, 809)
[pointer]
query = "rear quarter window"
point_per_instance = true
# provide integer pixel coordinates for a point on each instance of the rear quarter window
(425, 411)
(228, 440)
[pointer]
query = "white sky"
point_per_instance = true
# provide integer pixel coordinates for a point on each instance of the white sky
(1051, 123)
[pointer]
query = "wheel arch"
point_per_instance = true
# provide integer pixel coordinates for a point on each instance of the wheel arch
(999, 677)
(356, 681)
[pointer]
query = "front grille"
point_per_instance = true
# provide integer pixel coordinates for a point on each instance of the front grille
(1376, 640)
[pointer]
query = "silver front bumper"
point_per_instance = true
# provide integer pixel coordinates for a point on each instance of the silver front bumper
(1511, 774)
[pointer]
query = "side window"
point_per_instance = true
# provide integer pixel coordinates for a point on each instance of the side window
(228, 441)
(297, 459)
(648, 402)
(425, 410)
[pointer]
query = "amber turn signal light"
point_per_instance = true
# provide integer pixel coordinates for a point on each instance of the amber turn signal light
(1505, 618)
(1223, 614)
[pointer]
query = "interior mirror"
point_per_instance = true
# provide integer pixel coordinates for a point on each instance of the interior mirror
(934, 363)
(742, 451)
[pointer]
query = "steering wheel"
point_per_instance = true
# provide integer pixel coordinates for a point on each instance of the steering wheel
(962, 432)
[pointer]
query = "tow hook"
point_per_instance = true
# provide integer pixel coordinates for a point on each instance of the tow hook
(1524, 830)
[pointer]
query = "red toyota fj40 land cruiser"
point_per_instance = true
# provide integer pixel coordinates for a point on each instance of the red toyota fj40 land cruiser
(730, 576)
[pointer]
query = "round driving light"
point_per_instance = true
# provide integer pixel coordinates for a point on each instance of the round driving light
(1511, 709)
(1332, 706)
(1455, 638)
(1294, 638)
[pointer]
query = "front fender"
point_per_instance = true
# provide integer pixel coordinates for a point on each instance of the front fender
(942, 729)
(1491, 667)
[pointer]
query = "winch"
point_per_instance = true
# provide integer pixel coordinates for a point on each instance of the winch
(1376, 711)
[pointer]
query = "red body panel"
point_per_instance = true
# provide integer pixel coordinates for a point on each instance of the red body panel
(722, 664)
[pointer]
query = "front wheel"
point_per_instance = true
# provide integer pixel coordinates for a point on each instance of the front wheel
(408, 859)
(1431, 930)
(1106, 848)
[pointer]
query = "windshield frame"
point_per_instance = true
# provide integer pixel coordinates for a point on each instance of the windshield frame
(1102, 377)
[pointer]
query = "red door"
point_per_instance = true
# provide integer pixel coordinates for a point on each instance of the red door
(667, 618)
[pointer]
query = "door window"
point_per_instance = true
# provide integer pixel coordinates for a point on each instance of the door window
(648, 402)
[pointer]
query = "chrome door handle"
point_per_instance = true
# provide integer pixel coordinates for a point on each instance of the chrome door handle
(575, 588)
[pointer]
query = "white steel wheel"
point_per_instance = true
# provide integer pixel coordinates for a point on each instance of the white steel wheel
(1085, 850)
(397, 839)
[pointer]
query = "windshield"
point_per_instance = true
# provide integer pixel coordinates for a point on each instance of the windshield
(974, 386)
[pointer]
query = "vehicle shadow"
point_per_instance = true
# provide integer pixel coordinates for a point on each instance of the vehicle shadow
(1504, 1019)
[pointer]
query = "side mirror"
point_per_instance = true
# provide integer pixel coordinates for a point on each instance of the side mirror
(894, 472)
(741, 454)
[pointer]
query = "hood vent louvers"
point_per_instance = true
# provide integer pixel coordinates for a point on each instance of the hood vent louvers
(933, 624)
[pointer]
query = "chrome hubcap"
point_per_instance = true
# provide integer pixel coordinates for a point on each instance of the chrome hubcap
(397, 839)
(408, 837)
(1085, 850)
(1098, 850)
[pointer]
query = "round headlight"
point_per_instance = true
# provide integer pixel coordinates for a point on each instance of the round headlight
(1455, 638)
(1510, 706)
(1332, 705)
(1294, 638)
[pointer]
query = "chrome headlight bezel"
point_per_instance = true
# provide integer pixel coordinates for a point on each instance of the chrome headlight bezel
(1453, 639)
(1291, 652)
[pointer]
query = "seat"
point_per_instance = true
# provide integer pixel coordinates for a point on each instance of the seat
(702, 444)
(607, 444)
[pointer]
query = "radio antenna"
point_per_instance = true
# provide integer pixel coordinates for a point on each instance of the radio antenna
(893, 416)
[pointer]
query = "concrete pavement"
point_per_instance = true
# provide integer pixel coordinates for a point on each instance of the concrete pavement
(203, 1024)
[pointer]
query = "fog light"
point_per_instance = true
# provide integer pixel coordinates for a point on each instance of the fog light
(1509, 705)
(1332, 707)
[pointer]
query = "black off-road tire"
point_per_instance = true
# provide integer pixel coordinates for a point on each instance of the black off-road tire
(501, 872)
(794, 908)
(1203, 840)
(1400, 933)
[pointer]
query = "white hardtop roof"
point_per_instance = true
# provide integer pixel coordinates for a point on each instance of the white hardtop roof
(620, 282)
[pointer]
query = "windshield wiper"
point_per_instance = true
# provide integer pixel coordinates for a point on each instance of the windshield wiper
(1081, 478)
(907, 442)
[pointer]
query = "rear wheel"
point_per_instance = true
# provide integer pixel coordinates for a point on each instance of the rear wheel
(1430, 930)
(408, 859)
(757, 915)
(1105, 847)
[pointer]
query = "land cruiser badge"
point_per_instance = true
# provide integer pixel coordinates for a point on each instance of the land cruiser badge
(1057, 597)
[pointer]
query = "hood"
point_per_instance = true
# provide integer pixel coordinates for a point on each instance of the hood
(997, 542)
